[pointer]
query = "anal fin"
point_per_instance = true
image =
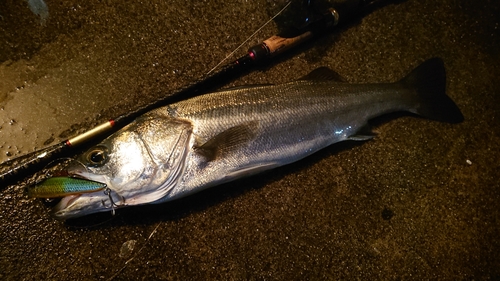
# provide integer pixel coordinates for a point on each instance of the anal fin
(363, 134)
(244, 172)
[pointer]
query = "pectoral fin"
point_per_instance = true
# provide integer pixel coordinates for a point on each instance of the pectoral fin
(228, 140)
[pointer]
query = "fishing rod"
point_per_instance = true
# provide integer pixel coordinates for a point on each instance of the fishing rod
(338, 14)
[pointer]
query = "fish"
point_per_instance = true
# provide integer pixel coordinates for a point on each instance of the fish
(185, 147)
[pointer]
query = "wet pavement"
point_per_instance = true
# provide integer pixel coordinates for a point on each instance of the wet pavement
(420, 201)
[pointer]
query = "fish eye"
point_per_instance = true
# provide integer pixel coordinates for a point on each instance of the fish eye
(97, 156)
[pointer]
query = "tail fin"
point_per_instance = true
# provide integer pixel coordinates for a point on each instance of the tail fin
(429, 80)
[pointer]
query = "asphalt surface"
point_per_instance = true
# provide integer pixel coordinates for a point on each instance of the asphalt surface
(419, 202)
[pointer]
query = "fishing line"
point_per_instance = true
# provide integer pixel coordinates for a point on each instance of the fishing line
(250, 37)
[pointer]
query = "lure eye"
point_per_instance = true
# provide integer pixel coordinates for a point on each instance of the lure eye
(97, 156)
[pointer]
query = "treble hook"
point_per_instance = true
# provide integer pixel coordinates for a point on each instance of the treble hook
(107, 191)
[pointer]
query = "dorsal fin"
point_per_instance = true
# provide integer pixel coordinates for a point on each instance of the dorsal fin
(323, 74)
(228, 140)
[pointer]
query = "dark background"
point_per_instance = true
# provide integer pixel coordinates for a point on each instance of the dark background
(420, 201)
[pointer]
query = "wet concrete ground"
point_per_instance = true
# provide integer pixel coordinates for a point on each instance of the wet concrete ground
(420, 201)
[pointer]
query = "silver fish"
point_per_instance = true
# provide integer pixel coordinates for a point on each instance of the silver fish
(183, 148)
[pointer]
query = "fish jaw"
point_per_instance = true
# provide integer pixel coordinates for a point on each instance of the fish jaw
(78, 205)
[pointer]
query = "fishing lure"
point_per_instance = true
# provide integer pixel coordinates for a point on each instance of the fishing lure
(63, 186)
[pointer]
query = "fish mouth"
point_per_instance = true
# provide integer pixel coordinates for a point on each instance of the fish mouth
(78, 205)
(79, 192)
(64, 202)
(75, 204)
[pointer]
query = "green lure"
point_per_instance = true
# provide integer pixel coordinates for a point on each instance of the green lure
(63, 186)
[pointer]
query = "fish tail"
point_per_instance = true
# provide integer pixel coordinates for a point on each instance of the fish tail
(429, 81)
